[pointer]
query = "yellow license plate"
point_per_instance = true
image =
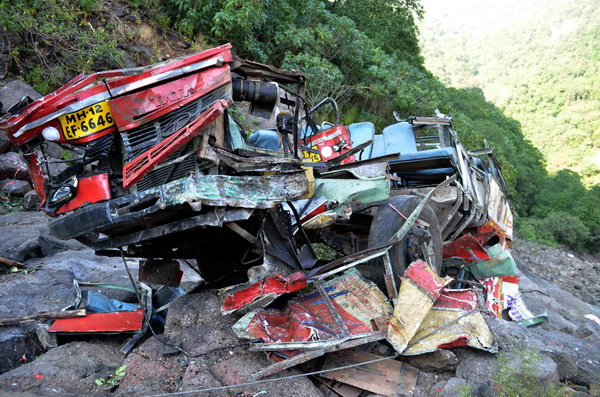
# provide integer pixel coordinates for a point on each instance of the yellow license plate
(86, 121)
(315, 157)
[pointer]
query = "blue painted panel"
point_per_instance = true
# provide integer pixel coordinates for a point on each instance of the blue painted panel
(378, 148)
(361, 133)
(265, 139)
(399, 138)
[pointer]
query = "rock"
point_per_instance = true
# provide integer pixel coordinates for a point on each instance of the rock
(47, 339)
(12, 92)
(584, 330)
(15, 187)
(428, 383)
(195, 321)
(22, 294)
(127, 61)
(439, 360)
(142, 54)
(24, 238)
(564, 268)
(4, 142)
(198, 376)
(566, 348)
(31, 201)
(12, 166)
(567, 366)
(17, 346)
(454, 387)
(476, 367)
(68, 369)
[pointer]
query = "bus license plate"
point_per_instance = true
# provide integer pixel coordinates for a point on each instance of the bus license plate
(87, 121)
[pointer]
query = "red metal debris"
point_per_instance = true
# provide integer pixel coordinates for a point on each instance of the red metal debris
(467, 247)
(139, 167)
(101, 322)
(356, 303)
(271, 285)
(91, 189)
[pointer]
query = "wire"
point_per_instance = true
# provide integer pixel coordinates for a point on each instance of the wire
(164, 342)
(323, 371)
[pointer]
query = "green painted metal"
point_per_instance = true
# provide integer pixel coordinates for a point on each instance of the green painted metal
(360, 191)
(501, 263)
(261, 191)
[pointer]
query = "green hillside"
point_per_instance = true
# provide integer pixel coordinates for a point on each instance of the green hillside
(537, 60)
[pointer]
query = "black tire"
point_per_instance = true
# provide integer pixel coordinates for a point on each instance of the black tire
(387, 222)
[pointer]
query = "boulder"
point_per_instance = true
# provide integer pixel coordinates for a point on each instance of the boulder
(31, 201)
(4, 142)
(15, 187)
(26, 236)
(439, 360)
(568, 350)
(69, 369)
(22, 294)
(12, 92)
(454, 387)
(12, 166)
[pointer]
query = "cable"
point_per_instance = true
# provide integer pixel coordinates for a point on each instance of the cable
(164, 342)
(323, 371)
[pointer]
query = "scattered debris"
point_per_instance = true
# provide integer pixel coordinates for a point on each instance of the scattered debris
(11, 263)
(71, 314)
(419, 290)
(101, 322)
(336, 311)
(263, 292)
(388, 378)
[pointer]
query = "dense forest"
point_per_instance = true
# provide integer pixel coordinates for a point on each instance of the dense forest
(366, 54)
(538, 61)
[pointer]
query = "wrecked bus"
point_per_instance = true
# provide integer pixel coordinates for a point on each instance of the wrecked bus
(160, 163)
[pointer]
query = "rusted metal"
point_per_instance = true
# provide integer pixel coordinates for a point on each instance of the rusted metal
(454, 320)
(352, 305)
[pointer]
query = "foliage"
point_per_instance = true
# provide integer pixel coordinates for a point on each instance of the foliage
(543, 69)
(324, 252)
(9, 203)
(113, 379)
(50, 41)
(519, 380)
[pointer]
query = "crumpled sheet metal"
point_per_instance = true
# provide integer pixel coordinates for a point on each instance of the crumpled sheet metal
(256, 191)
(503, 293)
(466, 248)
(420, 288)
(454, 320)
(500, 263)
(307, 318)
(265, 290)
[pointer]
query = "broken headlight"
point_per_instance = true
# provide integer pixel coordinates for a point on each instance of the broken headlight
(63, 192)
